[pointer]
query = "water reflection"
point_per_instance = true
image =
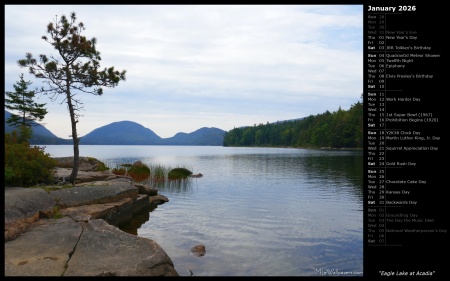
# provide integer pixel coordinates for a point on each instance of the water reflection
(138, 220)
(172, 186)
(336, 167)
(178, 186)
(338, 171)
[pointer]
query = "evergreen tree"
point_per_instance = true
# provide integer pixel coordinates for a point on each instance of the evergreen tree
(77, 70)
(22, 101)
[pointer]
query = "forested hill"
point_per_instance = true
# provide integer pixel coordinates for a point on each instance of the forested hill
(340, 129)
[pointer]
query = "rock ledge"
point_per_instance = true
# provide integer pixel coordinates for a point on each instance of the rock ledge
(74, 231)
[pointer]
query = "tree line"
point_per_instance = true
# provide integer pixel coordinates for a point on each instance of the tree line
(339, 129)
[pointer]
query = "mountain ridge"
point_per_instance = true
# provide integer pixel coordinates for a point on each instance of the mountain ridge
(126, 133)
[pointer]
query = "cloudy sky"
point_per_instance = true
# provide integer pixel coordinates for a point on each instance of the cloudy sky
(194, 66)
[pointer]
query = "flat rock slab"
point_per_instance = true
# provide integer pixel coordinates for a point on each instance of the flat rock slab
(26, 205)
(44, 250)
(79, 244)
(63, 247)
(94, 211)
(83, 176)
(107, 192)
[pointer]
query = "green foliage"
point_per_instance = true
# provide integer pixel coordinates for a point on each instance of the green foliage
(155, 175)
(119, 171)
(22, 101)
(26, 165)
(139, 172)
(22, 134)
(179, 173)
(100, 166)
(340, 129)
(9, 174)
(56, 213)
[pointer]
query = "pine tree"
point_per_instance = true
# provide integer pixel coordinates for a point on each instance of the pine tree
(77, 70)
(22, 101)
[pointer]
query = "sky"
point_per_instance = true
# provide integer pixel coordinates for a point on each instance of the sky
(194, 66)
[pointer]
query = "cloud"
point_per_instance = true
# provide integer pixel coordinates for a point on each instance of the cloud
(190, 66)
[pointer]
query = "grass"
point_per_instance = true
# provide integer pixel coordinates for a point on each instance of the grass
(101, 166)
(56, 213)
(157, 175)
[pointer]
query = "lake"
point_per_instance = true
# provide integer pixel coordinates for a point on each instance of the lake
(258, 211)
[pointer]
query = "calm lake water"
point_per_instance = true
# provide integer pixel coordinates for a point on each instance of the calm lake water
(258, 211)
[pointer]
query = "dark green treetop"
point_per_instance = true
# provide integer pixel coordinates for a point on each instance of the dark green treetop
(22, 101)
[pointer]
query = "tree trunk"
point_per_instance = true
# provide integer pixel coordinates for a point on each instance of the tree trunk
(76, 151)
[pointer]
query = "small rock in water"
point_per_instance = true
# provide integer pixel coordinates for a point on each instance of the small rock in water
(198, 250)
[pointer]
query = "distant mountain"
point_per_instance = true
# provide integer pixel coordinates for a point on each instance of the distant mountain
(131, 133)
(122, 133)
(203, 136)
(41, 135)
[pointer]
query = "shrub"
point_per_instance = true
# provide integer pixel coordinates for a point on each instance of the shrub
(179, 173)
(119, 171)
(139, 172)
(26, 165)
(154, 175)
(99, 165)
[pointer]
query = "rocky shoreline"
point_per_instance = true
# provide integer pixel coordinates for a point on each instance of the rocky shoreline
(74, 231)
